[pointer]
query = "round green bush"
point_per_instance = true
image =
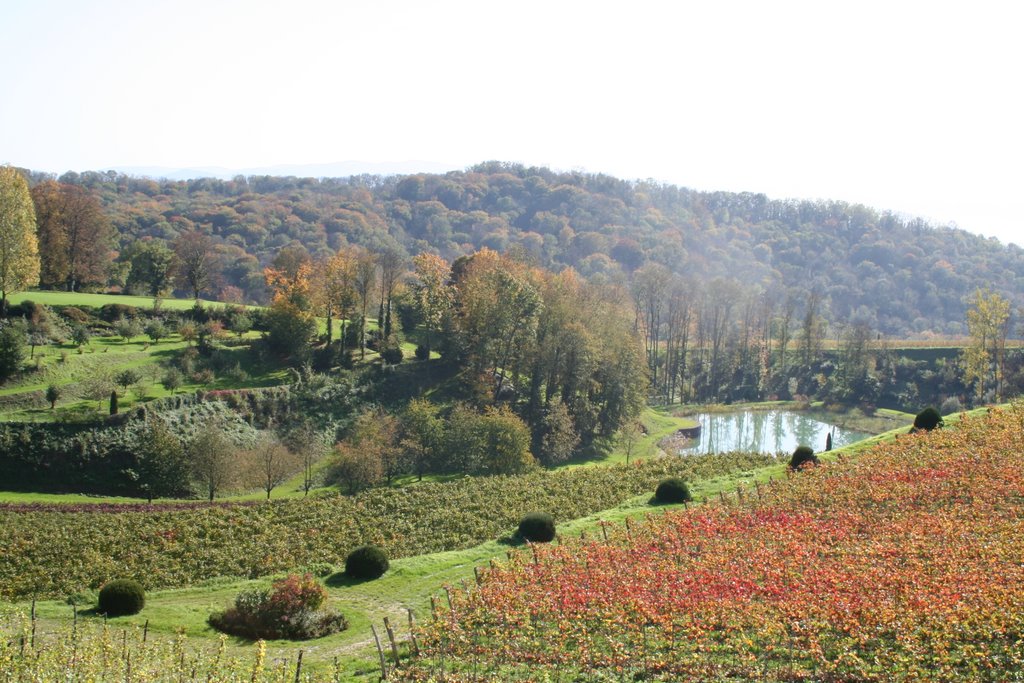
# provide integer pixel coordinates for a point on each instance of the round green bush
(801, 456)
(121, 597)
(928, 419)
(422, 352)
(537, 527)
(392, 355)
(366, 562)
(672, 490)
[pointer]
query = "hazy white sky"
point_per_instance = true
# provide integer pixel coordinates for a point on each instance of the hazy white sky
(910, 106)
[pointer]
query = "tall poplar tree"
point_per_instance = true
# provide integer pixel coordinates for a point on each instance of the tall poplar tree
(19, 251)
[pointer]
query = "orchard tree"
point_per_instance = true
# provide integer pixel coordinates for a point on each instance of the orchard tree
(172, 380)
(311, 445)
(272, 463)
(156, 330)
(19, 250)
(240, 323)
(53, 394)
(127, 328)
(126, 378)
(214, 463)
(629, 436)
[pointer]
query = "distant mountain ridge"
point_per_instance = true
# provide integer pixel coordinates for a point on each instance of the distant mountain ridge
(338, 169)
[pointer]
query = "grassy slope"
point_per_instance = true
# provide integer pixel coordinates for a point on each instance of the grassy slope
(411, 581)
(96, 300)
(64, 366)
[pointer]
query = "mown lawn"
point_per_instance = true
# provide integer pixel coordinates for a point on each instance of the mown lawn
(97, 300)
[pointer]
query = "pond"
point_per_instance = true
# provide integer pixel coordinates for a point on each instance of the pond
(763, 431)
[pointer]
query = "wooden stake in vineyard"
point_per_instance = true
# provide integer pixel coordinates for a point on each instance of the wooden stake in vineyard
(391, 638)
(380, 654)
(414, 646)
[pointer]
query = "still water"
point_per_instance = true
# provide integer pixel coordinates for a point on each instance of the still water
(764, 431)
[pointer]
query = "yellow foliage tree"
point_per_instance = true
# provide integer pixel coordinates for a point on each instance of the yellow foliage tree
(987, 322)
(19, 249)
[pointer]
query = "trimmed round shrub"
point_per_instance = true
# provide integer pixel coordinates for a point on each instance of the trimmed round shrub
(392, 355)
(537, 527)
(801, 456)
(928, 419)
(672, 490)
(121, 597)
(366, 562)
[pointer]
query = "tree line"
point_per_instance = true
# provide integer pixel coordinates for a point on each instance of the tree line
(904, 277)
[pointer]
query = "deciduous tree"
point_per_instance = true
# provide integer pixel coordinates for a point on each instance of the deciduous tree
(196, 262)
(152, 267)
(161, 466)
(214, 461)
(433, 294)
(499, 306)
(75, 233)
(272, 463)
(422, 434)
(19, 250)
(988, 324)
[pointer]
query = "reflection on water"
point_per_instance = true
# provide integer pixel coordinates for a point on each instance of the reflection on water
(764, 431)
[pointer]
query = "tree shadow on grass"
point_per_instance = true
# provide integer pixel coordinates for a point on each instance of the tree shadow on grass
(513, 540)
(343, 580)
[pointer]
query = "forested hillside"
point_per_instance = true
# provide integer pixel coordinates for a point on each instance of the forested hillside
(901, 277)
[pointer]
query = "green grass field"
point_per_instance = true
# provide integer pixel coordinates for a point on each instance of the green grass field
(66, 366)
(51, 298)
